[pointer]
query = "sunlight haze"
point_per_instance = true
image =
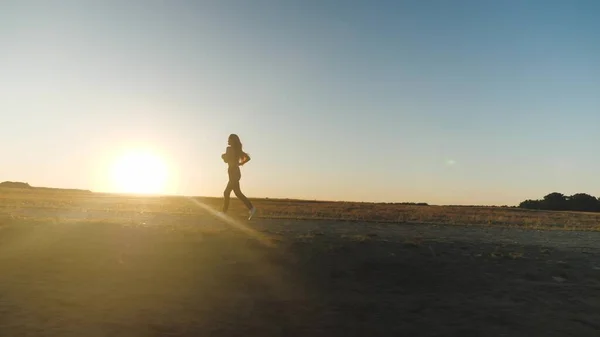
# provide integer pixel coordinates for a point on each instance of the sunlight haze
(445, 102)
(139, 171)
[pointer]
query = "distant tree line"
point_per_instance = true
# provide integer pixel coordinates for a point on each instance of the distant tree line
(14, 184)
(559, 202)
(410, 203)
(26, 186)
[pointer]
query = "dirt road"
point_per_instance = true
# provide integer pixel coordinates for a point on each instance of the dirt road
(204, 278)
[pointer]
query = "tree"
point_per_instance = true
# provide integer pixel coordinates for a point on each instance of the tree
(559, 202)
(555, 201)
(583, 202)
(531, 204)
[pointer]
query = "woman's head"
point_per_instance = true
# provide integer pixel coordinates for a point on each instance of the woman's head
(234, 141)
(236, 145)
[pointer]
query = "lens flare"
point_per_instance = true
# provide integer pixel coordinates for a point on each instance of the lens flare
(139, 171)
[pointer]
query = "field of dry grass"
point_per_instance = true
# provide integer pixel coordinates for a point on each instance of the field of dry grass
(35, 204)
(81, 264)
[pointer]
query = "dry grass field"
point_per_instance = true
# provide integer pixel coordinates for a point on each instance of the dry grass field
(82, 264)
(39, 205)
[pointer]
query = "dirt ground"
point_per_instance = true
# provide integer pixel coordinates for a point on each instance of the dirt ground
(203, 277)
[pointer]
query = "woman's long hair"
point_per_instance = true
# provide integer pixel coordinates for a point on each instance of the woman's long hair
(237, 147)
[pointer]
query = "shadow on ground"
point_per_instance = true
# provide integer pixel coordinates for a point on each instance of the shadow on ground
(318, 280)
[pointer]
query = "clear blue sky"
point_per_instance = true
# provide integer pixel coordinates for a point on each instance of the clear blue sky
(446, 102)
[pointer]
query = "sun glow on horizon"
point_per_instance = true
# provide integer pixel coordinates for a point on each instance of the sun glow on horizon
(139, 171)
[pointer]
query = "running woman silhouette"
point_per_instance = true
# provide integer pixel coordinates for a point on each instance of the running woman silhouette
(235, 157)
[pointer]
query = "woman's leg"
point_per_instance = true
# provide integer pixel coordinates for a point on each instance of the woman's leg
(227, 195)
(238, 193)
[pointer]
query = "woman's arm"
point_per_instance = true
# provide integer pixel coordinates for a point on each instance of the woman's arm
(226, 156)
(245, 159)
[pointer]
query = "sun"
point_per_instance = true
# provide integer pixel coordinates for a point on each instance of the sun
(140, 172)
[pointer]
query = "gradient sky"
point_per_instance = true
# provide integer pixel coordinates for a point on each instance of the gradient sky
(446, 102)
